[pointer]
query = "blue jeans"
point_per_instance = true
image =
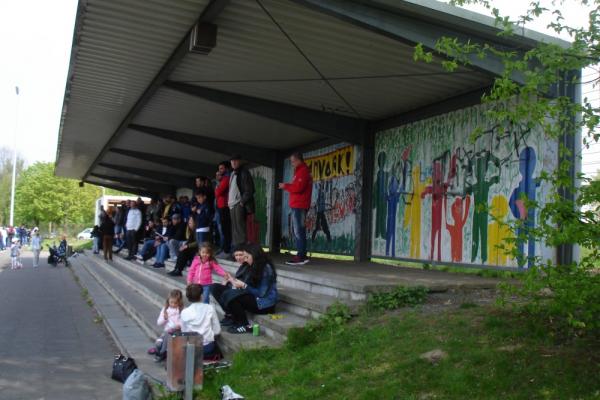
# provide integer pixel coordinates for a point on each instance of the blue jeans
(95, 244)
(148, 243)
(206, 294)
(162, 252)
(118, 240)
(299, 224)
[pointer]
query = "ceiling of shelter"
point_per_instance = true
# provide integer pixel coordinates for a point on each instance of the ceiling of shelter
(121, 47)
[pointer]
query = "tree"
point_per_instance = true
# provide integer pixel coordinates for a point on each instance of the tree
(42, 197)
(568, 294)
(6, 163)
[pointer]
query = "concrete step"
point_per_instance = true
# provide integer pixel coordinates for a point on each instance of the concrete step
(276, 329)
(149, 283)
(127, 334)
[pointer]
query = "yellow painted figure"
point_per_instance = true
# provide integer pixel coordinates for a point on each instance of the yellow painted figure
(412, 213)
(498, 231)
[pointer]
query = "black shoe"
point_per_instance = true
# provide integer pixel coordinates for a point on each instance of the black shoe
(227, 321)
(158, 265)
(160, 357)
(130, 258)
(174, 273)
(240, 329)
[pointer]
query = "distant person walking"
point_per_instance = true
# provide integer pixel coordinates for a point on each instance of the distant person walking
(300, 190)
(36, 246)
(240, 200)
(132, 225)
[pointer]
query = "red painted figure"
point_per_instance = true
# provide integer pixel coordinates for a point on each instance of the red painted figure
(437, 190)
(456, 230)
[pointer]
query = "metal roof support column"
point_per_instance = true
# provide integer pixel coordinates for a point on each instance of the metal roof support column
(276, 205)
(570, 140)
(365, 166)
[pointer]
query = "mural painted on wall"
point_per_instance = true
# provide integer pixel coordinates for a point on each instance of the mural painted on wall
(263, 186)
(438, 195)
(331, 220)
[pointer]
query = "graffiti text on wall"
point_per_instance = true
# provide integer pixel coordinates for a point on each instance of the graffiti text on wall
(339, 162)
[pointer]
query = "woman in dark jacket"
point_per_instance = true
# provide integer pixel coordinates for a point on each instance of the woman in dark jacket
(107, 229)
(254, 289)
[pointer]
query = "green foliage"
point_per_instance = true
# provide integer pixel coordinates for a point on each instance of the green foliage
(567, 296)
(401, 296)
(492, 354)
(42, 197)
(332, 322)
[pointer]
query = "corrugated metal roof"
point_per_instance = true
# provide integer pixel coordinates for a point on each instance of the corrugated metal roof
(120, 46)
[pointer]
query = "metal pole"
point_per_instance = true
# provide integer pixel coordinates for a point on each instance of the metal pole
(190, 350)
(14, 166)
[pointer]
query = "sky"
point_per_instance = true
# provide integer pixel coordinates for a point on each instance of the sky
(35, 46)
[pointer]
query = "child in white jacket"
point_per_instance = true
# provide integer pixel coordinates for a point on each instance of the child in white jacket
(15, 254)
(169, 320)
(201, 318)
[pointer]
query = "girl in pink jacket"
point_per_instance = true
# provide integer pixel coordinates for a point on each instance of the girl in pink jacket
(200, 272)
(168, 319)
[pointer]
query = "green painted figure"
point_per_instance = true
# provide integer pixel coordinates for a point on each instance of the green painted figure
(380, 198)
(480, 190)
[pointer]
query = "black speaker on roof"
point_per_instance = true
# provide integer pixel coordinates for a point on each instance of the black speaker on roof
(203, 38)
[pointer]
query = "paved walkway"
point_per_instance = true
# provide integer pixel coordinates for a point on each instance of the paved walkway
(50, 346)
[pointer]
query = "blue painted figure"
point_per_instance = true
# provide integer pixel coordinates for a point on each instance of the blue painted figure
(393, 197)
(522, 193)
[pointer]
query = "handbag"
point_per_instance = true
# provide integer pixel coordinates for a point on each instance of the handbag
(122, 367)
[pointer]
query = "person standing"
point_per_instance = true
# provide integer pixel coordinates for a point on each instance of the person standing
(240, 199)
(133, 223)
(107, 229)
(36, 246)
(300, 190)
(224, 218)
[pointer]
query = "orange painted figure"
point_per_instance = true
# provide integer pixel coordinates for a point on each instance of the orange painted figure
(460, 214)
(498, 249)
(412, 213)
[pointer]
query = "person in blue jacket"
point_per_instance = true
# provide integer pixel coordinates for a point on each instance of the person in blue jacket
(254, 289)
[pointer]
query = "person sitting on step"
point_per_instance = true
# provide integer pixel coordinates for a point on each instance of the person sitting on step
(187, 250)
(169, 320)
(254, 289)
(200, 318)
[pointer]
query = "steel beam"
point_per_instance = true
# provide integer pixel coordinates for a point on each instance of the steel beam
(172, 179)
(406, 29)
(251, 153)
(340, 127)
(364, 213)
(194, 167)
(127, 189)
(136, 182)
(431, 110)
(209, 14)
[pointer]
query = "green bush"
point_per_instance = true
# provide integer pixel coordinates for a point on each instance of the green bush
(401, 296)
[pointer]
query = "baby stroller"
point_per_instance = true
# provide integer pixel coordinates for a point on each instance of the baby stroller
(57, 256)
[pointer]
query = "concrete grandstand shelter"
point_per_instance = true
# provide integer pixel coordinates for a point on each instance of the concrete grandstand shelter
(161, 91)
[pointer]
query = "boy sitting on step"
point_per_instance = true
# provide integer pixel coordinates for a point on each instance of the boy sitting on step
(201, 318)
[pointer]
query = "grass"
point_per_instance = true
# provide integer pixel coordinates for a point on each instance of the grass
(492, 354)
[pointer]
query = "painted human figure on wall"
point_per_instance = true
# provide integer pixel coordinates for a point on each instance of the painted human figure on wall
(396, 190)
(380, 197)
(480, 190)
(499, 231)
(412, 213)
(525, 191)
(438, 190)
(321, 208)
(460, 214)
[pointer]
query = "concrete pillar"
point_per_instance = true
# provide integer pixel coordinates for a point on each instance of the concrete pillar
(276, 204)
(365, 165)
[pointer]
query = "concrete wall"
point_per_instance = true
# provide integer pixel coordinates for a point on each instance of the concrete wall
(331, 219)
(429, 177)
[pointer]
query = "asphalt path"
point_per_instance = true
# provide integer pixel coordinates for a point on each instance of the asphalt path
(52, 346)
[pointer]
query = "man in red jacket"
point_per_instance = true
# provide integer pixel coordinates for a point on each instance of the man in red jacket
(300, 190)
(222, 194)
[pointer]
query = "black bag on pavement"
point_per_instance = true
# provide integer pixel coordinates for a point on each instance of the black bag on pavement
(123, 366)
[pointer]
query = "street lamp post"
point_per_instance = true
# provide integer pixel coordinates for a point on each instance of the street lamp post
(14, 166)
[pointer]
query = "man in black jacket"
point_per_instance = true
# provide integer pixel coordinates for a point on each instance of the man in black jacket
(240, 201)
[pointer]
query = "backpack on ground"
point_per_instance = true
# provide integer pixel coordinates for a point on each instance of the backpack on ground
(136, 387)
